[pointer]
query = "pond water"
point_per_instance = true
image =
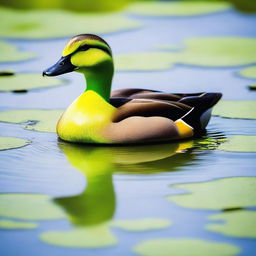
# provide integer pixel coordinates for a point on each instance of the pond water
(93, 200)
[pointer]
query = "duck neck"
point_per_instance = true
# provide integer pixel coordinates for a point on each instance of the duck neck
(99, 80)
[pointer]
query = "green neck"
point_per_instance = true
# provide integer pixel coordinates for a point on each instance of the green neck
(99, 79)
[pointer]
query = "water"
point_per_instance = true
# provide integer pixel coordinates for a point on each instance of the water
(93, 185)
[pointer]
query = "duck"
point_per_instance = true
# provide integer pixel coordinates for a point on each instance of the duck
(124, 116)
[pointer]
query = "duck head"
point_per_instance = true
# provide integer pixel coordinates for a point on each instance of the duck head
(88, 54)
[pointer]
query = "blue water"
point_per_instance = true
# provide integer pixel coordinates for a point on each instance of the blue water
(42, 167)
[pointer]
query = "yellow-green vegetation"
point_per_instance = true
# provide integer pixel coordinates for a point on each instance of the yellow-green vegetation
(12, 142)
(29, 207)
(38, 120)
(217, 194)
(240, 143)
(248, 72)
(205, 51)
(243, 109)
(10, 52)
(183, 247)
(89, 237)
(59, 23)
(11, 224)
(237, 223)
(142, 224)
(177, 8)
(24, 82)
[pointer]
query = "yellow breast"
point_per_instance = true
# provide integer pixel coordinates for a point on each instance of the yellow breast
(85, 119)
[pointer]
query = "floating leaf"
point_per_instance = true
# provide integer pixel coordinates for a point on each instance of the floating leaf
(141, 225)
(28, 207)
(239, 223)
(217, 194)
(240, 143)
(11, 224)
(204, 51)
(21, 82)
(38, 120)
(244, 109)
(248, 72)
(11, 142)
(89, 237)
(59, 23)
(182, 247)
(177, 8)
(10, 53)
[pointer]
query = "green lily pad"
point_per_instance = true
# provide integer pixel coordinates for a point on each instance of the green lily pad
(29, 207)
(12, 142)
(248, 72)
(10, 53)
(86, 237)
(11, 224)
(204, 51)
(240, 143)
(217, 194)
(141, 225)
(59, 23)
(24, 82)
(252, 87)
(238, 223)
(177, 8)
(38, 120)
(243, 109)
(183, 247)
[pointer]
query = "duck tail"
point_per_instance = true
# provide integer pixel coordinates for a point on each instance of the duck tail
(198, 117)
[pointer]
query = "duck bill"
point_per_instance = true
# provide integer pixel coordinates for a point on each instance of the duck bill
(63, 66)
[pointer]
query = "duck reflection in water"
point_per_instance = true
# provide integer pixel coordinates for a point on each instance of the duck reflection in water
(91, 212)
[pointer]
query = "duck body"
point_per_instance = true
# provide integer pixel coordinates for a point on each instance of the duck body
(125, 116)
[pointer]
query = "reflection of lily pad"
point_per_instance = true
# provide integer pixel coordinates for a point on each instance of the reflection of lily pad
(38, 120)
(248, 72)
(11, 224)
(204, 51)
(10, 53)
(183, 247)
(217, 194)
(21, 82)
(241, 143)
(28, 207)
(11, 142)
(238, 223)
(176, 8)
(59, 23)
(243, 109)
(90, 237)
(141, 225)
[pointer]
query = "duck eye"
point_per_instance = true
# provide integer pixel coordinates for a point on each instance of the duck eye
(84, 48)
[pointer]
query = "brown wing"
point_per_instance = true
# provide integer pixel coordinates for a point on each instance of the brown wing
(149, 108)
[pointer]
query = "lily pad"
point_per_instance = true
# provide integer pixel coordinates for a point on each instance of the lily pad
(238, 223)
(204, 51)
(248, 72)
(217, 194)
(11, 224)
(29, 207)
(12, 142)
(183, 247)
(38, 120)
(10, 53)
(240, 143)
(24, 82)
(86, 237)
(243, 109)
(177, 8)
(141, 225)
(59, 23)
